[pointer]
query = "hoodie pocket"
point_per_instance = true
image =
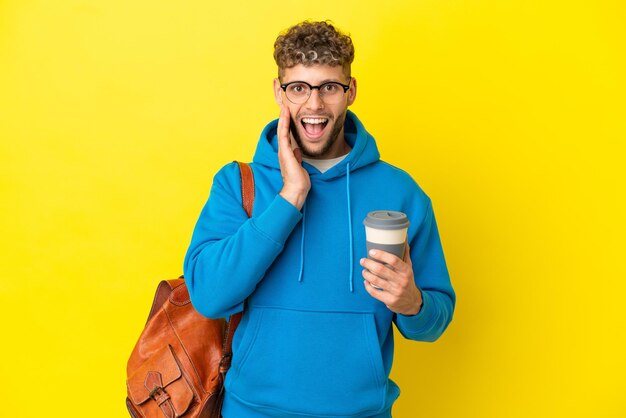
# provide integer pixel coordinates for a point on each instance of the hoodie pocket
(317, 363)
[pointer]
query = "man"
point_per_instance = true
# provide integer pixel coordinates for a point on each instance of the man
(315, 341)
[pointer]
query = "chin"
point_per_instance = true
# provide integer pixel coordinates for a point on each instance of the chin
(315, 150)
(312, 152)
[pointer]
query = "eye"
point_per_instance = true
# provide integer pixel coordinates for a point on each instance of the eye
(297, 88)
(330, 88)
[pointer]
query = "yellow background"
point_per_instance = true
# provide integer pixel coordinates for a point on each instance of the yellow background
(116, 114)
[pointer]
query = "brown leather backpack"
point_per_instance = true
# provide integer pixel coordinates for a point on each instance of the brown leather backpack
(178, 366)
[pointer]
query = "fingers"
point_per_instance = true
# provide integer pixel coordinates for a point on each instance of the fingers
(376, 268)
(284, 140)
(386, 271)
(376, 281)
(381, 295)
(387, 258)
(286, 156)
(390, 280)
(285, 152)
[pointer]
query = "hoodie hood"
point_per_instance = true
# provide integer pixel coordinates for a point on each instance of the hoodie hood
(364, 150)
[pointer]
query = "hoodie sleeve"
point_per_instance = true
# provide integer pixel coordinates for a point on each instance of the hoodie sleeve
(229, 252)
(431, 277)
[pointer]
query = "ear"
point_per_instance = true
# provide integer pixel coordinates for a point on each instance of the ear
(352, 92)
(278, 92)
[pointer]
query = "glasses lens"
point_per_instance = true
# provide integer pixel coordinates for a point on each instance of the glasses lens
(298, 92)
(331, 93)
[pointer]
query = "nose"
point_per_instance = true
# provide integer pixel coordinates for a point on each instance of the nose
(314, 101)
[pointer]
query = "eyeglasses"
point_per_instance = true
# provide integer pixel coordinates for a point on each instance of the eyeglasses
(299, 92)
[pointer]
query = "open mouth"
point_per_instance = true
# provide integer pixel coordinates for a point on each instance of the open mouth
(314, 127)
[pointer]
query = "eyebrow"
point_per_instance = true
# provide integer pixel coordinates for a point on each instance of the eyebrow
(328, 80)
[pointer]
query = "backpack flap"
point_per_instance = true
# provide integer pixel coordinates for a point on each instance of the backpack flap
(160, 380)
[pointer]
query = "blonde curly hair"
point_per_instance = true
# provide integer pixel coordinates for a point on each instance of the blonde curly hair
(309, 43)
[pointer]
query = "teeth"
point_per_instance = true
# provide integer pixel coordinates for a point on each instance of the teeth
(313, 121)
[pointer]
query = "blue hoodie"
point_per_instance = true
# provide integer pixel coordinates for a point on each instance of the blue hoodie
(312, 341)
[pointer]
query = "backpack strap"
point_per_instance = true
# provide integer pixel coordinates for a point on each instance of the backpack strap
(247, 200)
(247, 187)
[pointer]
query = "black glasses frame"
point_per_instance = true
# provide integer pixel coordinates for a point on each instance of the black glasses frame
(284, 86)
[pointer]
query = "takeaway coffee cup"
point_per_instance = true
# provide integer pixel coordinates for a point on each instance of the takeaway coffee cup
(386, 230)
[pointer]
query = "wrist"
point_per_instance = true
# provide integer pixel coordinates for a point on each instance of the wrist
(416, 307)
(296, 198)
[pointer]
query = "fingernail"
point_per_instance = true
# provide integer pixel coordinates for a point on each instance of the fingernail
(362, 261)
(372, 252)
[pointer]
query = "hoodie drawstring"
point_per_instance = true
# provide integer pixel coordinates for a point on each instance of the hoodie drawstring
(350, 237)
(351, 265)
(302, 243)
